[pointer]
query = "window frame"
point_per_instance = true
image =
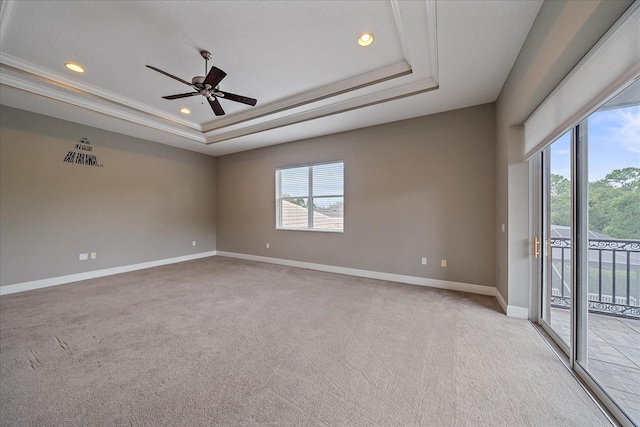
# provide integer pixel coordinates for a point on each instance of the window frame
(309, 196)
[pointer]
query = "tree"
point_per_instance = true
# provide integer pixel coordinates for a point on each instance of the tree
(614, 203)
(560, 200)
(625, 217)
(295, 200)
(626, 178)
(601, 197)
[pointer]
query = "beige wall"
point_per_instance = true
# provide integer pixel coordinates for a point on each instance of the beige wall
(417, 188)
(561, 35)
(148, 202)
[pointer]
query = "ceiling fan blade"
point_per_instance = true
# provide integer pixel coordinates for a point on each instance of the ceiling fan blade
(215, 106)
(181, 95)
(239, 98)
(169, 75)
(214, 77)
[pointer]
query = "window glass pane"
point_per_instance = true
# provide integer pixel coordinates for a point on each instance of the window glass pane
(294, 182)
(559, 269)
(328, 179)
(328, 213)
(295, 213)
(613, 288)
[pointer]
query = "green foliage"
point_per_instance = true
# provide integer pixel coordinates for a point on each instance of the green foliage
(627, 178)
(614, 203)
(625, 217)
(560, 200)
(296, 200)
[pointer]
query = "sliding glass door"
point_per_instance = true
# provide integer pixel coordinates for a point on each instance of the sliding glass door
(590, 247)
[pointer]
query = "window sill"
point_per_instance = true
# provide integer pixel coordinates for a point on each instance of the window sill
(316, 230)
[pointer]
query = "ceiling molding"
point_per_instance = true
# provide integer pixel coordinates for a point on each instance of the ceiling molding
(5, 18)
(56, 79)
(331, 90)
(395, 6)
(108, 110)
(432, 27)
(329, 110)
(139, 113)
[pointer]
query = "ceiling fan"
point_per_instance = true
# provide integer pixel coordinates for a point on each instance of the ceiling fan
(208, 87)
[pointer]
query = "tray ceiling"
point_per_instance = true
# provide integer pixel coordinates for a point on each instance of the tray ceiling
(300, 60)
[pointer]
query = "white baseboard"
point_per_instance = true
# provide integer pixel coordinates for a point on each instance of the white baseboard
(501, 301)
(412, 280)
(517, 312)
(512, 310)
(54, 281)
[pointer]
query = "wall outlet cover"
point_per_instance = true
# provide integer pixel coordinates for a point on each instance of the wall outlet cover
(84, 257)
(93, 255)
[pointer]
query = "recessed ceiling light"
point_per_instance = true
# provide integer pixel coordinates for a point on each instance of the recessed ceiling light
(185, 111)
(74, 67)
(365, 39)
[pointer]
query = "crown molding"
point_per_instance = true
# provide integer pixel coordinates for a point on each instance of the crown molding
(432, 28)
(6, 12)
(369, 78)
(57, 79)
(105, 109)
(397, 15)
(329, 110)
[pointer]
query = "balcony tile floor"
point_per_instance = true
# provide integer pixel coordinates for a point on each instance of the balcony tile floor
(614, 355)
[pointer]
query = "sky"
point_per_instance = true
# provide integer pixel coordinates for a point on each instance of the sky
(613, 140)
(328, 180)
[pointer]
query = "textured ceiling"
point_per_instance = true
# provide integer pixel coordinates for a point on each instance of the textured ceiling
(299, 59)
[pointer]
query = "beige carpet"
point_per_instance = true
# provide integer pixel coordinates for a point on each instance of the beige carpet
(225, 342)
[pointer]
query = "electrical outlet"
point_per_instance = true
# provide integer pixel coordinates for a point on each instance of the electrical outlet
(193, 243)
(93, 255)
(424, 261)
(267, 246)
(503, 228)
(84, 257)
(443, 263)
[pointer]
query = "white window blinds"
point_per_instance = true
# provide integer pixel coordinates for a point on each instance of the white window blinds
(310, 197)
(611, 65)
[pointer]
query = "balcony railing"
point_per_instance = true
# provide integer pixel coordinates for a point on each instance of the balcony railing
(614, 276)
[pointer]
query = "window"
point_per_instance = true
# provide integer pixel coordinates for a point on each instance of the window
(310, 197)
